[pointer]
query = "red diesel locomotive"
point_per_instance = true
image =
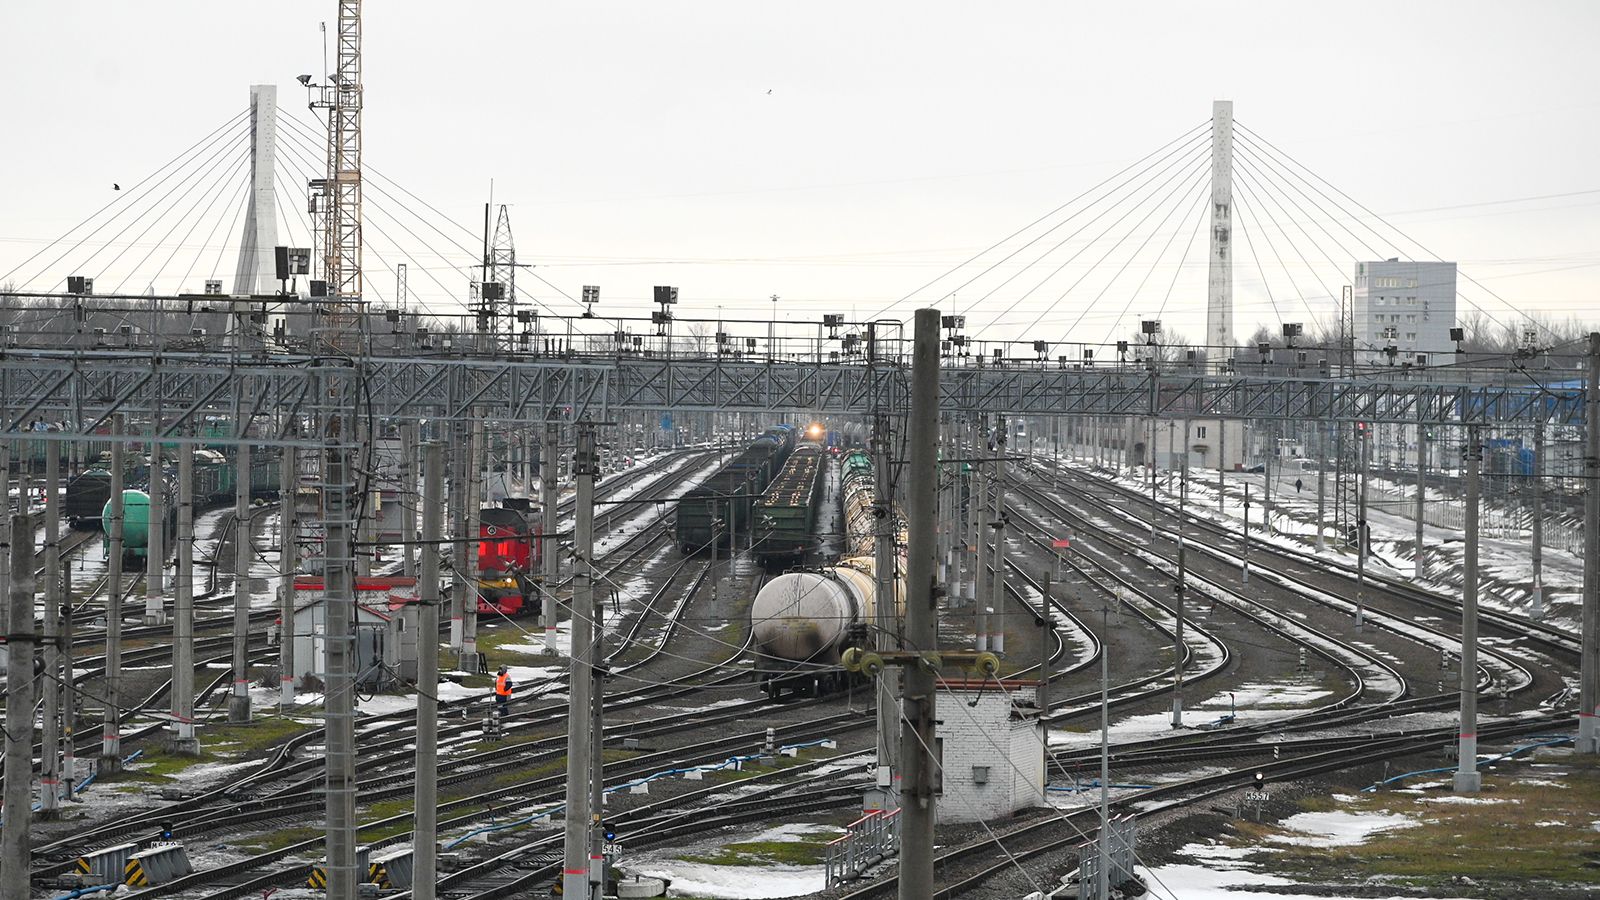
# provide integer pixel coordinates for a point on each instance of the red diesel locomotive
(509, 552)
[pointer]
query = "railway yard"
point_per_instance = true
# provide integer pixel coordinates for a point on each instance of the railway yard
(1292, 718)
(396, 570)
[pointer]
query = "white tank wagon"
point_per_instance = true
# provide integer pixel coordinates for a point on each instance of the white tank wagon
(801, 622)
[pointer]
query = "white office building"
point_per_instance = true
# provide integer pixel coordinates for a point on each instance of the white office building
(1409, 306)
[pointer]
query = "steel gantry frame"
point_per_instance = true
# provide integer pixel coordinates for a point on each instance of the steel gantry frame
(82, 390)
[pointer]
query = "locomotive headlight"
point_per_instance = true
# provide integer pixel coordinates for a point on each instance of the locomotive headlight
(815, 430)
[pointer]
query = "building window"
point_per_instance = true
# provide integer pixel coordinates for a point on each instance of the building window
(1411, 335)
(1200, 431)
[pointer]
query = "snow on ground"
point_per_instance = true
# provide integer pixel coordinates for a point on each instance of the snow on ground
(730, 882)
(1339, 829)
(1468, 801)
(1220, 872)
(1262, 700)
(1503, 561)
(734, 882)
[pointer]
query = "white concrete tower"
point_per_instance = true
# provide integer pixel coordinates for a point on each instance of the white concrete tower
(1219, 286)
(256, 271)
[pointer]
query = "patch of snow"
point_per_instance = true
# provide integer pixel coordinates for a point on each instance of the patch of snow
(1222, 874)
(1339, 829)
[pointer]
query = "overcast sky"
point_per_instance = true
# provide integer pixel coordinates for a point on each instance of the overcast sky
(841, 155)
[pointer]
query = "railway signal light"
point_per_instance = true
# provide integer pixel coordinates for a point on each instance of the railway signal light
(1261, 780)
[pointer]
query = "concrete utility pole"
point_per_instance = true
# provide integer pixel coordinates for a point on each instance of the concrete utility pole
(1179, 586)
(1103, 840)
(884, 613)
(597, 747)
(18, 733)
(1589, 701)
(1154, 508)
(425, 839)
(1467, 779)
(1363, 444)
(338, 579)
(155, 587)
(110, 731)
(549, 546)
(1047, 630)
(239, 701)
(472, 515)
(1222, 466)
(575, 872)
(288, 564)
(1322, 482)
(1536, 601)
(1266, 470)
(408, 500)
(5, 527)
(50, 765)
(1219, 281)
(1422, 494)
(917, 725)
(183, 738)
(996, 613)
(366, 515)
(460, 591)
(1244, 522)
(980, 546)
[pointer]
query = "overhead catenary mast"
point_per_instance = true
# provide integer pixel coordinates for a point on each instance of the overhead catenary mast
(337, 339)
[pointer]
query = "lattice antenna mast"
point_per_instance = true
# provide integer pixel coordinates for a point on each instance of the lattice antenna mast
(503, 263)
(495, 300)
(341, 246)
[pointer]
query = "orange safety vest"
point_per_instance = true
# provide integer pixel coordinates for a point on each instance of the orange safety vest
(502, 684)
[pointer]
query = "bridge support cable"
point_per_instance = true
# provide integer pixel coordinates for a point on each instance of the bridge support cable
(1367, 214)
(1177, 170)
(125, 197)
(1185, 138)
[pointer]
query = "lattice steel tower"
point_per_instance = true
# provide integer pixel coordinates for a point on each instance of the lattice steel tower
(496, 300)
(341, 257)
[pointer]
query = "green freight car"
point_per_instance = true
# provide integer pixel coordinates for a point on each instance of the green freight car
(786, 515)
(721, 507)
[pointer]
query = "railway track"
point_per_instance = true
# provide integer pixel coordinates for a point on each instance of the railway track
(1502, 669)
(288, 800)
(1303, 565)
(971, 866)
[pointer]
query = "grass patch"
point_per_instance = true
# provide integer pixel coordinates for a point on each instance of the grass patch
(262, 734)
(805, 849)
(156, 767)
(277, 840)
(1531, 832)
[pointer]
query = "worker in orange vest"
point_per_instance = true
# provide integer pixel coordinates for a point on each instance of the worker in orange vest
(502, 690)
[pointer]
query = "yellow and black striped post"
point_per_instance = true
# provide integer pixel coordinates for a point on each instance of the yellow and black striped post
(133, 874)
